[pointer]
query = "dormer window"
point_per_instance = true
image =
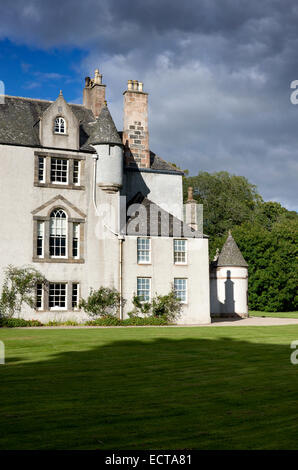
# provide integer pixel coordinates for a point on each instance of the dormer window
(60, 126)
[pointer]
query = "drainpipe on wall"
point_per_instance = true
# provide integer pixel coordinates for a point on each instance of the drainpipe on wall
(95, 158)
(120, 238)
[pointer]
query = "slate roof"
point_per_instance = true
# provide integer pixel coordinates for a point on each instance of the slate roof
(157, 163)
(103, 130)
(152, 220)
(19, 125)
(19, 121)
(230, 254)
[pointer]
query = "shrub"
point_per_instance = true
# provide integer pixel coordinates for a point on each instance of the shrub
(19, 287)
(7, 322)
(62, 323)
(132, 321)
(139, 307)
(103, 302)
(166, 306)
(105, 321)
(144, 321)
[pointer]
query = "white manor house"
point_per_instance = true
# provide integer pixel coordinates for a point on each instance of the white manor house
(90, 206)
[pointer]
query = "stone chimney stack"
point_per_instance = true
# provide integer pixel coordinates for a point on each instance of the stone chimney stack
(94, 93)
(191, 213)
(135, 129)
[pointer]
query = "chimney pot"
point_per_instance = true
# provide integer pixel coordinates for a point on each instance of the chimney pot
(140, 86)
(135, 85)
(190, 193)
(129, 85)
(94, 93)
(191, 210)
(97, 77)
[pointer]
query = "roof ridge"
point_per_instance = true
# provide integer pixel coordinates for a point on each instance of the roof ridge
(28, 99)
(40, 99)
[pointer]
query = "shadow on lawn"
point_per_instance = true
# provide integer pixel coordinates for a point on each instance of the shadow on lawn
(157, 394)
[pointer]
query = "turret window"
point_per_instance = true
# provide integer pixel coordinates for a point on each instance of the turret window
(60, 126)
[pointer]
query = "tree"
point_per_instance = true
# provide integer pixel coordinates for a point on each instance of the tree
(265, 232)
(228, 200)
(19, 287)
(272, 264)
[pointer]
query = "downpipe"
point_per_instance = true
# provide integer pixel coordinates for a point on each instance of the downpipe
(121, 238)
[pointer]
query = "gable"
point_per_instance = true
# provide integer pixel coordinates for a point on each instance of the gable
(59, 201)
(48, 138)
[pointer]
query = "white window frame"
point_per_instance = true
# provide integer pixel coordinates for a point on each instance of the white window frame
(54, 181)
(59, 123)
(42, 297)
(78, 295)
(79, 172)
(40, 235)
(185, 301)
(66, 236)
(78, 225)
(41, 162)
(56, 307)
(146, 278)
(139, 250)
(180, 251)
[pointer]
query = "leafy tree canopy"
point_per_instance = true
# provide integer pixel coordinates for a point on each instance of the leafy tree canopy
(266, 233)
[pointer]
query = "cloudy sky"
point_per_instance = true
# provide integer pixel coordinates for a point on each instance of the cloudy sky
(218, 73)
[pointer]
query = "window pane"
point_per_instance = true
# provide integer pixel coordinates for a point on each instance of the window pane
(75, 295)
(60, 126)
(41, 169)
(180, 287)
(143, 247)
(57, 295)
(180, 251)
(76, 171)
(58, 231)
(59, 170)
(40, 238)
(75, 240)
(143, 288)
(39, 295)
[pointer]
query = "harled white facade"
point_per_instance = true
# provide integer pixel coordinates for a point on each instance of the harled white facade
(61, 203)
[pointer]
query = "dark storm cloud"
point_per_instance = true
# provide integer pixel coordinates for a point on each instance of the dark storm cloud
(218, 73)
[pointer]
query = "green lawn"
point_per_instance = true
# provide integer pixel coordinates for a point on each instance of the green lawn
(253, 313)
(149, 388)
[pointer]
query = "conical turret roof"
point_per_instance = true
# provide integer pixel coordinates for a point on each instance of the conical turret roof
(230, 254)
(103, 130)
